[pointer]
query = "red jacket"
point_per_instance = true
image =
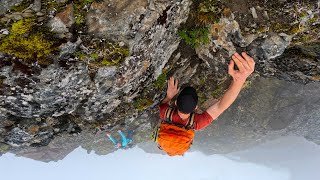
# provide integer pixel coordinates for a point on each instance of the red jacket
(200, 120)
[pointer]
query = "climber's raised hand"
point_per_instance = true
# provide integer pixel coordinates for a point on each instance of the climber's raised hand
(245, 65)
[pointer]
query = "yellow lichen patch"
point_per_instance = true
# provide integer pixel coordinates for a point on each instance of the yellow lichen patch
(296, 29)
(22, 26)
(263, 29)
(24, 43)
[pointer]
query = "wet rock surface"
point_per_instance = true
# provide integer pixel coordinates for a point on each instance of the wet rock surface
(110, 61)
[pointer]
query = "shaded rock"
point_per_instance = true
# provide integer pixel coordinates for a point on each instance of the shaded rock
(61, 23)
(48, 92)
(27, 15)
(113, 18)
(69, 48)
(15, 16)
(299, 63)
(270, 47)
(254, 12)
(264, 49)
(17, 137)
(5, 5)
(40, 14)
(36, 6)
(6, 123)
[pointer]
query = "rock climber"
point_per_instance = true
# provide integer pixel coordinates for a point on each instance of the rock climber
(126, 141)
(176, 131)
(187, 99)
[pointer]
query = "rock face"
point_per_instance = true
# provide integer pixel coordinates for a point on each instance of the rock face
(7, 4)
(57, 91)
(61, 23)
(226, 39)
(41, 94)
(72, 96)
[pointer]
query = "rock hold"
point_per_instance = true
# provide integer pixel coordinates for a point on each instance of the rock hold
(61, 23)
(36, 6)
(254, 12)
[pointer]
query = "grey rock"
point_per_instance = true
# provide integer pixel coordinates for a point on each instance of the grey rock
(40, 14)
(254, 12)
(69, 48)
(265, 49)
(57, 26)
(56, 87)
(26, 15)
(15, 16)
(5, 5)
(4, 20)
(227, 36)
(119, 14)
(265, 15)
(36, 6)
(61, 23)
(17, 137)
(149, 51)
(4, 31)
(271, 47)
(61, 1)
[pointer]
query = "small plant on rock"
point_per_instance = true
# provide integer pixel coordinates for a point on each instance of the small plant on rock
(195, 37)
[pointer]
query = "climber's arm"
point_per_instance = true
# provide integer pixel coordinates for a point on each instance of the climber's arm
(246, 66)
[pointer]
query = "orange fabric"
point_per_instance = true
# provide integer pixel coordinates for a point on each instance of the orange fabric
(174, 140)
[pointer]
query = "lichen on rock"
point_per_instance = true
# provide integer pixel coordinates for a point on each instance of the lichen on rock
(25, 42)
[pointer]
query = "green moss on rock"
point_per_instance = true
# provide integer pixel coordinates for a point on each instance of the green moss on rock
(25, 42)
(115, 55)
(103, 53)
(22, 6)
(141, 104)
(195, 37)
(160, 82)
